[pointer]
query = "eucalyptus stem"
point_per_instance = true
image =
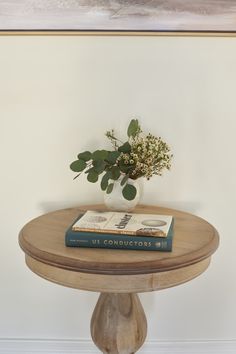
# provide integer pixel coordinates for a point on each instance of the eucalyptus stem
(77, 175)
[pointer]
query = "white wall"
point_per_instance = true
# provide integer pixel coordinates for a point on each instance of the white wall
(58, 95)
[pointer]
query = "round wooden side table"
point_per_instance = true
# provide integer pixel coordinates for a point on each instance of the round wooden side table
(118, 324)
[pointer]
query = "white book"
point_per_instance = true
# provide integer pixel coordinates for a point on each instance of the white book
(110, 222)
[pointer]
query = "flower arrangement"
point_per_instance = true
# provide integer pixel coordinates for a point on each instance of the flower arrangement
(139, 156)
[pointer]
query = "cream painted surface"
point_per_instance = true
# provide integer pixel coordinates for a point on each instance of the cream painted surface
(58, 95)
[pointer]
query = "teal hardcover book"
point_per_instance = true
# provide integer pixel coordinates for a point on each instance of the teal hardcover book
(93, 239)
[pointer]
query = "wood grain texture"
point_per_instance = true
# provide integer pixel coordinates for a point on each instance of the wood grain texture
(118, 324)
(43, 239)
(157, 15)
(132, 283)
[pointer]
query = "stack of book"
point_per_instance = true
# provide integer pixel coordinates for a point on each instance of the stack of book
(121, 230)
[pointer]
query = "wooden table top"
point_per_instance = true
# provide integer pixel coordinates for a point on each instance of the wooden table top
(43, 240)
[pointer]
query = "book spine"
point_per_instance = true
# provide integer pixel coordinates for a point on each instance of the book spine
(77, 239)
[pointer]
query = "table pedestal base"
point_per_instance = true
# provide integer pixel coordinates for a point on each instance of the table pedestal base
(118, 324)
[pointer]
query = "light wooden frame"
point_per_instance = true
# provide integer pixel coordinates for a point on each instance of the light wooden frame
(119, 18)
(117, 33)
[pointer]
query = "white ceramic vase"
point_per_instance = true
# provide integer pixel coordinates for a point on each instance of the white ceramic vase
(116, 201)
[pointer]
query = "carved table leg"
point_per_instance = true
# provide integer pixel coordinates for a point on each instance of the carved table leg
(118, 324)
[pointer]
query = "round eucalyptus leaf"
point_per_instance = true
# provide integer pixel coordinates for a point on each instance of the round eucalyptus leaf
(133, 128)
(113, 156)
(92, 176)
(104, 181)
(99, 166)
(110, 188)
(108, 174)
(115, 172)
(86, 156)
(78, 165)
(89, 170)
(124, 180)
(129, 192)
(125, 147)
(99, 155)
